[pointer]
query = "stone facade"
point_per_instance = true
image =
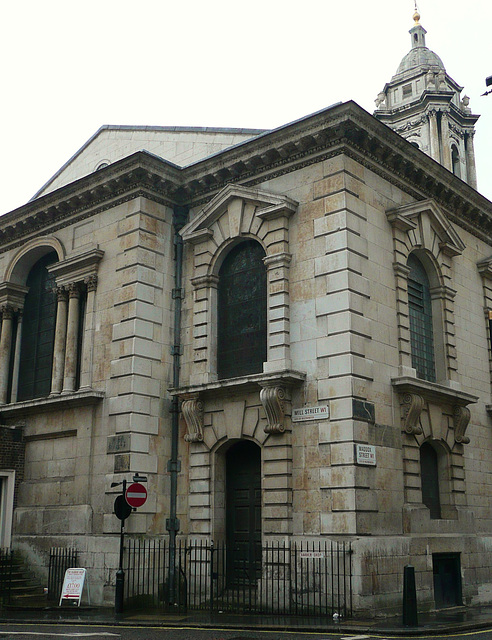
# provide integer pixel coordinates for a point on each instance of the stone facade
(339, 206)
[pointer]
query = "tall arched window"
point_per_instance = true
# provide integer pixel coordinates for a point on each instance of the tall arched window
(242, 313)
(38, 332)
(429, 474)
(420, 314)
(455, 158)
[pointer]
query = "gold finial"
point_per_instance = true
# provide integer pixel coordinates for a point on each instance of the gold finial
(416, 15)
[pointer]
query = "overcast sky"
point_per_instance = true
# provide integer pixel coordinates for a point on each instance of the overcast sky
(69, 68)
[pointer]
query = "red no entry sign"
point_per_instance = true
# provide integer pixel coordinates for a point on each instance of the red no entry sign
(136, 495)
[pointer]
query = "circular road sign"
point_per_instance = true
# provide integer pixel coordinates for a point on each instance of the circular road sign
(136, 495)
(121, 508)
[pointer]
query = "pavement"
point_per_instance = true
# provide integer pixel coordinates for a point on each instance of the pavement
(452, 620)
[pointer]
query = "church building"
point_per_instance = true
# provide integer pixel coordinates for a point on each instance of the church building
(285, 331)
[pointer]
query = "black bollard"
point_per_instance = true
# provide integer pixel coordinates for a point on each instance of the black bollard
(410, 617)
(119, 590)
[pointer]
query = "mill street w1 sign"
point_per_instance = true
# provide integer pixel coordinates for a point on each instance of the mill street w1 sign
(136, 495)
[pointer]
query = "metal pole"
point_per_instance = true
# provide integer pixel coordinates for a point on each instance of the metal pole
(120, 574)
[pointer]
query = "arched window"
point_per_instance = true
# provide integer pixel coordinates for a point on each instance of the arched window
(420, 314)
(455, 158)
(429, 474)
(38, 332)
(242, 315)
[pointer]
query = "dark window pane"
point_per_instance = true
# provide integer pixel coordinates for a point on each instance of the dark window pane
(242, 315)
(420, 315)
(429, 474)
(38, 332)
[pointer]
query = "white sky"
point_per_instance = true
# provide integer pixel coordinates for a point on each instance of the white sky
(70, 67)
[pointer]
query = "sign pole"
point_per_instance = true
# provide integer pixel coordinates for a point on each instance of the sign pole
(120, 574)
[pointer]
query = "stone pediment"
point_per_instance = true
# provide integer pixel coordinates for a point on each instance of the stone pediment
(268, 206)
(406, 218)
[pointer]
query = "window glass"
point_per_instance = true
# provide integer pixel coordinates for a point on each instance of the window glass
(429, 474)
(420, 314)
(242, 316)
(38, 332)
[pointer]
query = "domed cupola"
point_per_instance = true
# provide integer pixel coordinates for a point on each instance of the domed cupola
(422, 103)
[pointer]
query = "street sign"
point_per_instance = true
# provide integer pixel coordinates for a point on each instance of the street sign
(121, 508)
(136, 495)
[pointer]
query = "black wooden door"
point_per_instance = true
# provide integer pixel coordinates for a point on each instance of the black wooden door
(447, 579)
(243, 513)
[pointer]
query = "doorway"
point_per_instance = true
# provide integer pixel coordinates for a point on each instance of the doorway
(7, 479)
(243, 514)
(447, 579)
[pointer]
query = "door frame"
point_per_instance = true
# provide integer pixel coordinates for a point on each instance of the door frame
(6, 506)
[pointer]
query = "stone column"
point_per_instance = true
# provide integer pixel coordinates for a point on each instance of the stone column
(471, 169)
(88, 336)
(446, 147)
(15, 369)
(434, 137)
(5, 346)
(60, 340)
(72, 334)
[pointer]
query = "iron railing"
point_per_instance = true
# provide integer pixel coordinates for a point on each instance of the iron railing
(61, 559)
(6, 572)
(301, 578)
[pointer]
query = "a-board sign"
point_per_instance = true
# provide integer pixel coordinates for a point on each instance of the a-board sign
(73, 586)
(136, 494)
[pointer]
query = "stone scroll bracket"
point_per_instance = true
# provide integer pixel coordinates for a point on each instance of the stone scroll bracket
(415, 393)
(461, 419)
(412, 404)
(272, 398)
(192, 410)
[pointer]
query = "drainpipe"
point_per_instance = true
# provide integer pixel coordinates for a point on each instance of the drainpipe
(180, 215)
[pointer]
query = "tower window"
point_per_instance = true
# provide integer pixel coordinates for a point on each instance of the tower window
(455, 157)
(407, 90)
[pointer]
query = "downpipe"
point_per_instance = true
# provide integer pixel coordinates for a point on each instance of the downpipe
(180, 215)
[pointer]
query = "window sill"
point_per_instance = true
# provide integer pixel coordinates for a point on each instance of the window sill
(52, 403)
(286, 377)
(433, 392)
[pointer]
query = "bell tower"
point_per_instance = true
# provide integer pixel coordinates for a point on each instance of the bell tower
(422, 103)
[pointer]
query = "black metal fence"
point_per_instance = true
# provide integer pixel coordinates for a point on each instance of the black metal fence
(292, 579)
(6, 572)
(61, 559)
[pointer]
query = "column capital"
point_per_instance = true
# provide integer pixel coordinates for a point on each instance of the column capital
(61, 293)
(73, 290)
(91, 282)
(7, 311)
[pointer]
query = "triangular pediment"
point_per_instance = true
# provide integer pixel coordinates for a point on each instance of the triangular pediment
(268, 206)
(407, 217)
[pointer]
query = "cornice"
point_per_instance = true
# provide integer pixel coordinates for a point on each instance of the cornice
(341, 129)
(140, 174)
